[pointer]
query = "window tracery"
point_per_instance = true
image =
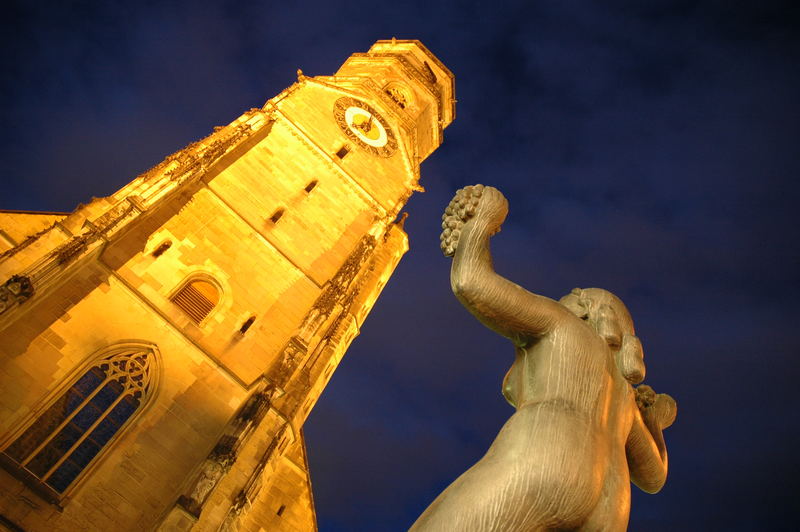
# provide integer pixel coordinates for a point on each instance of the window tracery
(73, 430)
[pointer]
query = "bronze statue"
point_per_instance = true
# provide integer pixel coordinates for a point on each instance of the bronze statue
(581, 433)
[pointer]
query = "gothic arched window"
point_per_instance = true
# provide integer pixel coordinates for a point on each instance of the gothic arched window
(197, 298)
(71, 432)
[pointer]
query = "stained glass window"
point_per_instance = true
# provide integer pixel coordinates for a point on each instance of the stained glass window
(71, 432)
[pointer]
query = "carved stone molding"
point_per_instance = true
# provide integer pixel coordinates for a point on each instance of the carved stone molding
(337, 290)
(225, 452)
(210, 474)
(17, 289)
(243, 501)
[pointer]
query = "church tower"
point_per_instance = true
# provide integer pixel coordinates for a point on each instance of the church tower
(161, 348)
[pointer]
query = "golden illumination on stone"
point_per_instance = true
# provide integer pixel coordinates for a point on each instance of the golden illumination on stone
(249, 261)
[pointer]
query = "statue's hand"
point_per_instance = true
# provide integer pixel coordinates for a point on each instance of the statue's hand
(645, 397)
(485, 203)
(658, 410)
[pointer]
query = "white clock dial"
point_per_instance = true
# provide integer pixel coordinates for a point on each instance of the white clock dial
(366, 126)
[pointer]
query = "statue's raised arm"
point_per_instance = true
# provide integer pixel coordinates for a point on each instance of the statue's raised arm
(473, 216)
(581, 432)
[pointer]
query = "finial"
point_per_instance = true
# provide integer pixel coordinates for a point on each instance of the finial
(300, 75)
(394, 40)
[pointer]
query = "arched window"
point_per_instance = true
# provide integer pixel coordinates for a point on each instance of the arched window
(197, 298)
(402, 95)
(72, 431)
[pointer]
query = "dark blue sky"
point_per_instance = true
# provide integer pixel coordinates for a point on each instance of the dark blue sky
(649, 148)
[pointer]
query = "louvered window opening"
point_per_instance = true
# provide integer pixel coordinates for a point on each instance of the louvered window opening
(197, 299)
(65, 439)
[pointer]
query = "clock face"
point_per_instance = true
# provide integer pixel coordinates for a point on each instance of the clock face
(363, 125)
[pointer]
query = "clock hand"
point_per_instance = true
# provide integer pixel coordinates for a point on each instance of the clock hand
(365, 127)
(358, 125)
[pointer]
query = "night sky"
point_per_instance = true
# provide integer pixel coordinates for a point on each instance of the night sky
(648, 147)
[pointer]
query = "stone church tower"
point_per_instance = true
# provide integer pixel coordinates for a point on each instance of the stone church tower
(161, 348)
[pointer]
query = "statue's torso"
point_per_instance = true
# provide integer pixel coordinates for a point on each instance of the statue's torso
(571, 367)
(569, 398)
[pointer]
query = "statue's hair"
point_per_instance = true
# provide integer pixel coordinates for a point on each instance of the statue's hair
(629, 355)
(594, 297)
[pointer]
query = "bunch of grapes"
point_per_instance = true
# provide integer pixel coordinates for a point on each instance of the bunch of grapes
(461, 208)
(645, 396)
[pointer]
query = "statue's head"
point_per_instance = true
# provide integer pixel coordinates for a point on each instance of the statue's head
(609, 316)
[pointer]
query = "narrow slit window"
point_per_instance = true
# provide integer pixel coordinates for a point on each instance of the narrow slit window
(344, 150)
(247, 324)
(281, 510)
(162, 248)
(277, 215)
(65, 439)
(197, 299)
(311, 186)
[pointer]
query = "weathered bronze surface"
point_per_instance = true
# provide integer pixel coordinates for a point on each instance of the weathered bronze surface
(581, 432)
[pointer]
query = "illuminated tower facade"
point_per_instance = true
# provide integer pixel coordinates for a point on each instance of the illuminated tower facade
(161, 348)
